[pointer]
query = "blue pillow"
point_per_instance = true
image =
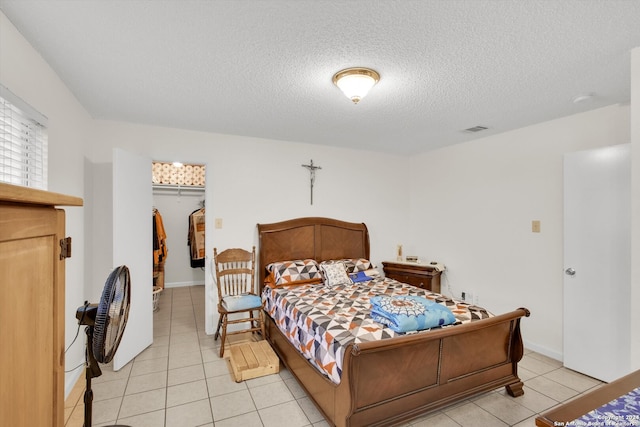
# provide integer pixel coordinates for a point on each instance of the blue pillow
(360, 276)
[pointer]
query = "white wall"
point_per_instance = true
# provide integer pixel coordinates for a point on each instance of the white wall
(26, 74)
(99, 220)
(475, 202)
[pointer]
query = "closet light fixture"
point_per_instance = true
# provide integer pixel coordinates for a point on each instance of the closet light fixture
(356, 82)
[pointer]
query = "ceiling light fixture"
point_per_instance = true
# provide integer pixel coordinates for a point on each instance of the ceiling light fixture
(356, 82)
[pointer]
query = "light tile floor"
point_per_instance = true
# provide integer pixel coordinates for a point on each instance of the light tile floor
(181, 381)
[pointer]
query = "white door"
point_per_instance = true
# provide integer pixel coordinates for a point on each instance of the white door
(597, 261)
(133, 247)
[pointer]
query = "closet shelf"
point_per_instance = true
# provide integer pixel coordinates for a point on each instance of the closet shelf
(174, 188)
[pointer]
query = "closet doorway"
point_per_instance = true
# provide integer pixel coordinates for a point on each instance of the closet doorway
(179, 200)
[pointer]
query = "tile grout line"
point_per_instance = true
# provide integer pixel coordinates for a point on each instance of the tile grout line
(166, 394)
(200, 351)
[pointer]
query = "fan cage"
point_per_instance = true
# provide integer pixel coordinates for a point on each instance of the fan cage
(112, 314)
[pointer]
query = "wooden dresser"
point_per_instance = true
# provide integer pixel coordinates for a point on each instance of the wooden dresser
(32, 306)
(423, 276)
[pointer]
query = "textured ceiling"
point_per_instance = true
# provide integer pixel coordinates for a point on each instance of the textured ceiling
(264, 68)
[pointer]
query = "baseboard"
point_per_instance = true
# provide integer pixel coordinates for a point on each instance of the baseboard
(181, 284)
(543, 350)
(71, 379)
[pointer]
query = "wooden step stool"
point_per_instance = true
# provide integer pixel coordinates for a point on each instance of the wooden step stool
(253, 359)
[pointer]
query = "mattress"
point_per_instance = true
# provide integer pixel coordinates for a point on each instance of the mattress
(321, 321)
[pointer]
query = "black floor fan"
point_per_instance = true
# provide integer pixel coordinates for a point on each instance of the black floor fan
(105, 323)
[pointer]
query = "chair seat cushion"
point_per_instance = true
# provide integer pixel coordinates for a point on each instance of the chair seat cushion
(241, 302)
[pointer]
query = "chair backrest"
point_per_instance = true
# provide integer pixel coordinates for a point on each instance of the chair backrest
(235, 271)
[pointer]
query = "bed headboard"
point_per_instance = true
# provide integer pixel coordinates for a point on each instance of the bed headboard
(313, 237)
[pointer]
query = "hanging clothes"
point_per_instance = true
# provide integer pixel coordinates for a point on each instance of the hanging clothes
(195, 239)
(159, 239)
(160, 250)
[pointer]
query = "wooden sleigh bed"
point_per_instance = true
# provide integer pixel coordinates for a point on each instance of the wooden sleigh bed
(390, 381)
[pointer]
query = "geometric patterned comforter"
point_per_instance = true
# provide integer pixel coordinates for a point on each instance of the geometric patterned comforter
(322, 321)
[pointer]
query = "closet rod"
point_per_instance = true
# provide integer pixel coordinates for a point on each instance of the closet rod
(178, 188)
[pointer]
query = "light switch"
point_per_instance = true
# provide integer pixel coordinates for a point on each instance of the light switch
(535, 226)
(218, 223)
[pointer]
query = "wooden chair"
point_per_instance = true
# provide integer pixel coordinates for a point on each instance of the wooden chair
(235, 279)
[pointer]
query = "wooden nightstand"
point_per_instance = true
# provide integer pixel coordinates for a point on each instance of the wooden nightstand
(423, 276)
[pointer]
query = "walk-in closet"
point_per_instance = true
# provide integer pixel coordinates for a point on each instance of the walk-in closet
(179, 201)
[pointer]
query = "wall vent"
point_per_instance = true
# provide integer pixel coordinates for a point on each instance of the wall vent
(475, 129)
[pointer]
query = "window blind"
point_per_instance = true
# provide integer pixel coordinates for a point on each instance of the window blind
(23, 143)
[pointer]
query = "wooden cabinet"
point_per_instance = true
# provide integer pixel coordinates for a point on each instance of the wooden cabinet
(32, 306)
(423, 276)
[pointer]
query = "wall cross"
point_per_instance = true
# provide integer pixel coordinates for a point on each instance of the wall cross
(312, 175)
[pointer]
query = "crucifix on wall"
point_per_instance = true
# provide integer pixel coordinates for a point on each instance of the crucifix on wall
(312, 176)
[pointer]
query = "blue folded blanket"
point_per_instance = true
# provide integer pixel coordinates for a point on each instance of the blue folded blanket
(409, 313)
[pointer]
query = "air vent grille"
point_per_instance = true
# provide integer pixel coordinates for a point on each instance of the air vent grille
(475, 129)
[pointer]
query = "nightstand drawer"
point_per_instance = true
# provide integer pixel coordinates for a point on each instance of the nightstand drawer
(419, 275)
(419, 281)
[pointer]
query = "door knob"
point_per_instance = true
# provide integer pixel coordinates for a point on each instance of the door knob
(570, 272)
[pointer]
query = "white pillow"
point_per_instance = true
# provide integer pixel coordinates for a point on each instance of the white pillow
(335, 274)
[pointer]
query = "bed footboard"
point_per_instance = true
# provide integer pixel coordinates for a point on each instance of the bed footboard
(444, 367)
